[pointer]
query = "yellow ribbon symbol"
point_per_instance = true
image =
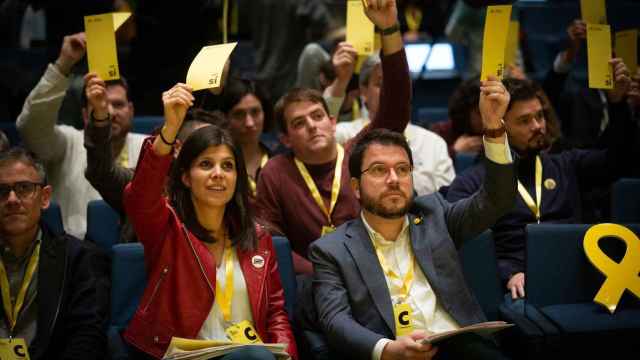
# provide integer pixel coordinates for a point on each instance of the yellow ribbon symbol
(619, 276)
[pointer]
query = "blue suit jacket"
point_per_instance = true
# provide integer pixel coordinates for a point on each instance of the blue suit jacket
(351, 295)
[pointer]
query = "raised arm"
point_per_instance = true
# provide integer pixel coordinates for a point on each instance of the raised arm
(104, 174)
(37, 121)
(145, 204)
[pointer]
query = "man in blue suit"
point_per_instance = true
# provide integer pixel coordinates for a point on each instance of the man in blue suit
(385, 279)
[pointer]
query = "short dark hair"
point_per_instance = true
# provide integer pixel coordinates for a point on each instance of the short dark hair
(238, 215)
(463, 101)
(293, 96)
(376, 136)
(4, 141)
(20, 154)
(121, 82)
(236, 89)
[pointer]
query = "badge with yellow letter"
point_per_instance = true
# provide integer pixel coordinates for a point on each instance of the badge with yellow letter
(403, 314)
(620, 276)
(13, 349)
(243, 333)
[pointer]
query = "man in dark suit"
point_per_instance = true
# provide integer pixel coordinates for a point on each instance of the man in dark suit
(386, 278)
(55, 288)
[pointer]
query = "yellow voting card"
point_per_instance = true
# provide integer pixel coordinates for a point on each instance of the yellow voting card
(207, 67)
(13, 349)
(496, 28)
(598, 56)
(360, 30)
(627, 48)
(102, 53)
(512, 43)
(593, 11)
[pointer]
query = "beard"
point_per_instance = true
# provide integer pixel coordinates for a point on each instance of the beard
(382, 210)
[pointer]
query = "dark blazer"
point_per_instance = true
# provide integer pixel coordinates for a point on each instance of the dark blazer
(73, 300)
(351, 294)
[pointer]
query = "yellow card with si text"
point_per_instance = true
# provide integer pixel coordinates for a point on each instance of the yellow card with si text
(207, 67)
(598, 56)
(494, 43)
(102, 54)
(512, 43)
(13, 349)
(593, 11)
(360, 30)
(627, 48)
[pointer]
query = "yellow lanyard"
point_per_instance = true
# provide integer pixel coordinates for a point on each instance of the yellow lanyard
(534, 206)
(123, 158)
(224, 297)
(408, 277)
(335, 188)
(12, 313)
(413, 15)
(252, 183)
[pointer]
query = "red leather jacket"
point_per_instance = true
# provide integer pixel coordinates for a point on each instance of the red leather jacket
(181, 271)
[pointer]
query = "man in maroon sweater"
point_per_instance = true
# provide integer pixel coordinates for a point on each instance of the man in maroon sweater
(305, 193)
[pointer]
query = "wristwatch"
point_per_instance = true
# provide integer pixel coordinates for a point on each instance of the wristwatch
(495, 133)
(390, 30)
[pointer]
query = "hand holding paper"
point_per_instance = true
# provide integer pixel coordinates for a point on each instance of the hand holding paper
(383, 13)
(344, 61)
(622, 81)
(494, 99)
(176, 101)
(73, 49)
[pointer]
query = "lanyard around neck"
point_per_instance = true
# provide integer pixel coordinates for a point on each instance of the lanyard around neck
(10, 311)
(407, 280)
(252, 183)
(335, 188)
(224, 297)
(534, 206)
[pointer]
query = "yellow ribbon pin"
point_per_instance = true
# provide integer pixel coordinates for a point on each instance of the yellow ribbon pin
(619, 276)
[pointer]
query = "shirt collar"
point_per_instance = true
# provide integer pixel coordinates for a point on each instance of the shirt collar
(378, 239)
(7, 256)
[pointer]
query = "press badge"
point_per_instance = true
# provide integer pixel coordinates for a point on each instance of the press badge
(402, 314)
(243, 333)
(14, 349)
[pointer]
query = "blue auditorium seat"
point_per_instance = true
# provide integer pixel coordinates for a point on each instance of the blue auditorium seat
(146, 124)
(432, 114)
(463, 162)
(103, 225)
(287, 274)
(625, 201)
(52, 217)
(478, 258)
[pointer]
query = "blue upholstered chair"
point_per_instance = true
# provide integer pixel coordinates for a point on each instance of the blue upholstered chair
(480, 268)
(287, 274)
(103, 225)
(52, 217)
(146, 124)
(625, 201)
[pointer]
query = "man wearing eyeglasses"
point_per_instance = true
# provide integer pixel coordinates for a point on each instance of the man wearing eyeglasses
(55, 288)
(387, 278)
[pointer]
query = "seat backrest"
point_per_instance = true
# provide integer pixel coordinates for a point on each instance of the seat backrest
(128, 281)
(557, 269)
(464, 161)
(146, 124)
(287, 274)
(103, 224)
(480, 268)
(52, 217)
(625, 201)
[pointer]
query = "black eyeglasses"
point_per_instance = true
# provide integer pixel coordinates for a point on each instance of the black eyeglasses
(23, 189)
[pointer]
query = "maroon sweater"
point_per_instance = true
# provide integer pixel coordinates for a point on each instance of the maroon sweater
(285, 202)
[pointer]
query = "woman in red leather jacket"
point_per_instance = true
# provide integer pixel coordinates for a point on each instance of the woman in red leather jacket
(211, 269)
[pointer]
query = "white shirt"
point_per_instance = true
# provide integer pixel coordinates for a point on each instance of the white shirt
(214, 326)
(428, 314)
(432, 166)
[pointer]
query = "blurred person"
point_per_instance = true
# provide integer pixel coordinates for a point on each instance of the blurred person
(561, 177)
(61, 147)
(204, 253)
(399, 255)
(55, 287)
(305, 193)
(433, 167)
